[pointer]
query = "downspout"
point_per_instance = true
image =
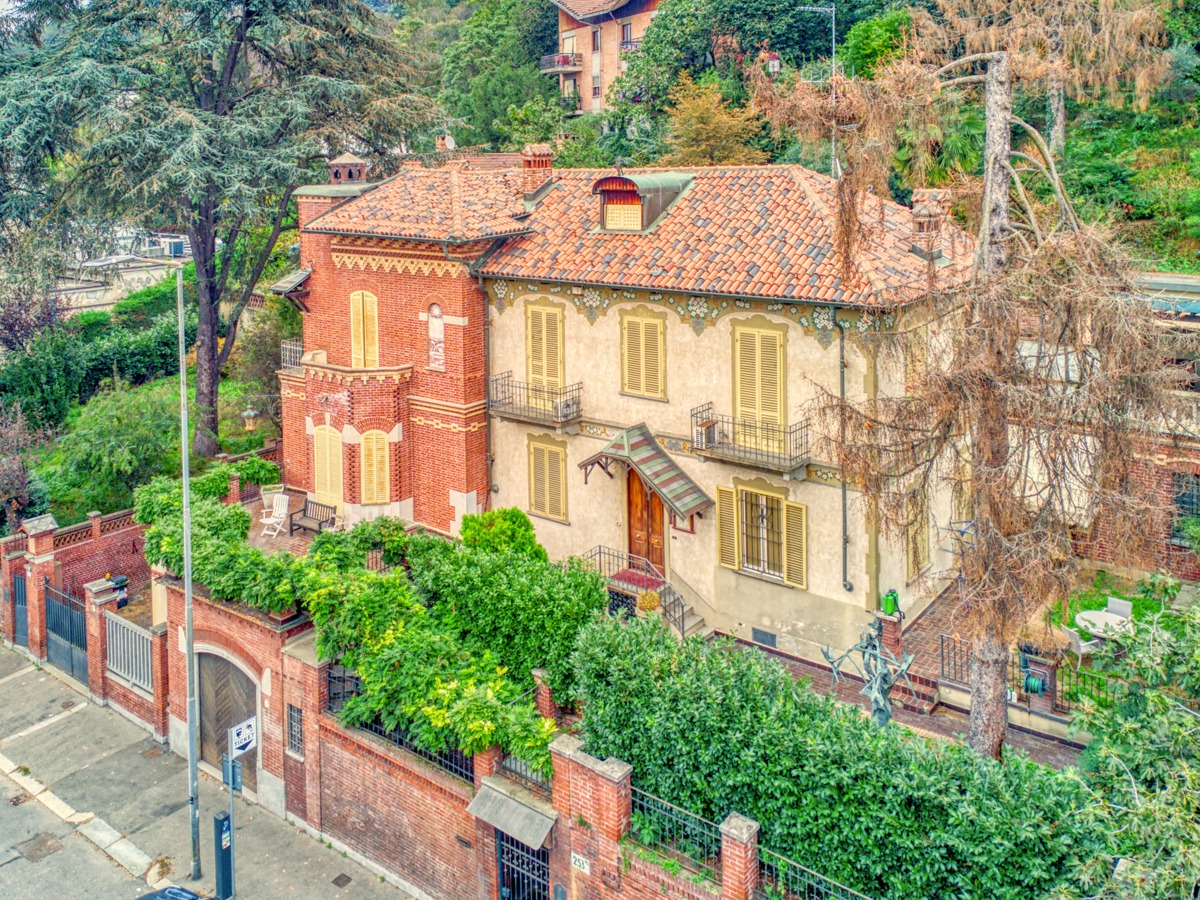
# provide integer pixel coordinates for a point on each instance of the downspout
(841, 326)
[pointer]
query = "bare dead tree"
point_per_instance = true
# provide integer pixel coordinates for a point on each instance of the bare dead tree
(1046, 375)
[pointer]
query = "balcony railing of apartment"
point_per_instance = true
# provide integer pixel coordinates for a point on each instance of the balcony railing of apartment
(569, 103)
(628, 576)
(630, 46)
(290, 352)
(561, 62)
(779, 448)
(533, 402)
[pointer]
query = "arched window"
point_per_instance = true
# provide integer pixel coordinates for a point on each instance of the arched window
(437, 338)
(375, 469)
(364, 330)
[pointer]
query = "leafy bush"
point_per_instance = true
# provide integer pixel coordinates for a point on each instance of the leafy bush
(872, 41)
(715, 729)
(526, 611)
(141, 308)
(502, 529)
(91, 324)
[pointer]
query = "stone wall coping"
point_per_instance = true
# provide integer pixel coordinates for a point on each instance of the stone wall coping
(158, 630)
(99, 586)
(739, 828)
(303, 648)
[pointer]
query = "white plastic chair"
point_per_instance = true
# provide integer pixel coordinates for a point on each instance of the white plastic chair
(1079, 646)
(275, 518)
(1122, 608)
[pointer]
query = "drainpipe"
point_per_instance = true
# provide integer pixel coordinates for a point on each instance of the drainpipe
(846, 585)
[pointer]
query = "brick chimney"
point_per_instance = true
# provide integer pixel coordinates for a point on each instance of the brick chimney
(929, 214)
(536, 163)
(440, 143)
(346, 169)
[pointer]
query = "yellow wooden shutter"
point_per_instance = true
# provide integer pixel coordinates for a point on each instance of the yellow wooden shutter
(327, 466)
(537, 480)
(543, 344)
(633, 374)
(556, 487)
(795, 544)
(758, 388)
(554, 348)
(320, 465)
(745, 374)
(771, 373)
(356, 330)
(623, 216)
(375, 467)
(727, 529)
(370, 331)
(653, 375)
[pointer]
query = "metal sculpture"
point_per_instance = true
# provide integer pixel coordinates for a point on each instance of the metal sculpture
(880, 671)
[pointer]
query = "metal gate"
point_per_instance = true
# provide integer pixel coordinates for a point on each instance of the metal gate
(66, 633)
(524, 873)
(20, 612)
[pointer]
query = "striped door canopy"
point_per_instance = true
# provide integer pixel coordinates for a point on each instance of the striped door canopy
(637, 448)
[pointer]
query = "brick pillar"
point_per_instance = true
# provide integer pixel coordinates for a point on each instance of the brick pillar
(40, 555)
(160, 676)
(543, 697)
(893, 638)
(12, 562)
(98, 597)
(487, 762)
(1047, 670)
(234, 497)
(94, 520)
(739, 857)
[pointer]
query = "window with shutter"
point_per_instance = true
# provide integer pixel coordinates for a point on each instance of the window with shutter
(642, 357)
(548, 480)
(622, 216)
(327, 466)
(918, 533)
(758, 388)
(364, 330)
(544, 352)
(916, 354)
(375, 471)
(795, 545)
(727, 529)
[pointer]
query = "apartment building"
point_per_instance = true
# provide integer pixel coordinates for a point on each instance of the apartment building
(593, 38)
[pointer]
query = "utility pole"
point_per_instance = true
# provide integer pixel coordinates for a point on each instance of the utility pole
(193, 733)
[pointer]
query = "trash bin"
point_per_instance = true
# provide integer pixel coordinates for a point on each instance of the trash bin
(120, 584)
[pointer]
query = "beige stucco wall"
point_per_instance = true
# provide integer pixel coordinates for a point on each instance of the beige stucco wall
(699, 348)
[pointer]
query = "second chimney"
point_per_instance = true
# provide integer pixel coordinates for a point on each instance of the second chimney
(536, 163)
(929, 213)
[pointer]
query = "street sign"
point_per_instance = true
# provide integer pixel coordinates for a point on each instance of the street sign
(243, 738)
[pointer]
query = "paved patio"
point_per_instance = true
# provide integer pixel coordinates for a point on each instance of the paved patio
(296, 544)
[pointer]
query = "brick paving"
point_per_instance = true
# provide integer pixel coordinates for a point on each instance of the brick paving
(922, 637)
(296, 544)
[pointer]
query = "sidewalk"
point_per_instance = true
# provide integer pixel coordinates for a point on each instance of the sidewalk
(110, 783)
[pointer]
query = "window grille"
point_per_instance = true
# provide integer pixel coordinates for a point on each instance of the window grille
(762, 534)
(1186, 489)
(295, 721)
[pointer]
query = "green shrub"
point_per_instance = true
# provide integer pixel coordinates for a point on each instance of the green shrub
(141, 308)
(91, 324)
(502, 529)
(715, 730)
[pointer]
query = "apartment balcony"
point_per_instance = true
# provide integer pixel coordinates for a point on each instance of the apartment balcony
(776, 448)
(291, 351)
(524, 402)
(630, 46)
(559, 63)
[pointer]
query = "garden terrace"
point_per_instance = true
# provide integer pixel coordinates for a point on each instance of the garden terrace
(296, 544)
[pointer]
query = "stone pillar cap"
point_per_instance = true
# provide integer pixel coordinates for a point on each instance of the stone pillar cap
(39, 524)
(739, 828)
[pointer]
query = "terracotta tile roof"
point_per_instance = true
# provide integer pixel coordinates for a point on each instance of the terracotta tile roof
(754, 231)
(433, 205)
(586, 9)
(485, 162)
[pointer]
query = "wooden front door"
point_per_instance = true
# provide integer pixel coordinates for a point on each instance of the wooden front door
(645, 522)
(227, 698)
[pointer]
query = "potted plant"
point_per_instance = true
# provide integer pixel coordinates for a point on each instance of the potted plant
(648, 602)
(268, 494)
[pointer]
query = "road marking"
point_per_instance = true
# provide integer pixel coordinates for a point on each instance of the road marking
(18, 673)
(45, 723)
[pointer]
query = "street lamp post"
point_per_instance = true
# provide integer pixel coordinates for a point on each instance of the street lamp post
(193, 734)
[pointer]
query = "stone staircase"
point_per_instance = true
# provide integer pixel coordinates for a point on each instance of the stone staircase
(629, 575)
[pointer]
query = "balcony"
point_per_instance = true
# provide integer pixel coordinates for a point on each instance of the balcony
(631, 45)
(557, 63)
(291, 351)
(777, 448)
(524, 402)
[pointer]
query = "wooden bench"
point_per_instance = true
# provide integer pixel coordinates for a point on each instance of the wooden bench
(313, 517)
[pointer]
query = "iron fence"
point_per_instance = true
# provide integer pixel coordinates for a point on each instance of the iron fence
(290, 353)
(781, 448)
(525, 775)
(534, 402)
(556, 61)
(342, 684)
(781, 879)
(629, 576)
(129, 651)
(675, 833)
(1073, 687)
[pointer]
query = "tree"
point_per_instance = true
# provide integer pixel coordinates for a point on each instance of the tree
(872, 41)
(707, 131)
(1045, 379)
(17, 438)
(204, 116)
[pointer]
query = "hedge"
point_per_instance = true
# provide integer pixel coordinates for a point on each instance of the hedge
(716, 729)
(61, 368)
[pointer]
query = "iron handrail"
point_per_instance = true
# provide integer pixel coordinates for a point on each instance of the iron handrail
(765, 444)
(781, 879)
(630, 574)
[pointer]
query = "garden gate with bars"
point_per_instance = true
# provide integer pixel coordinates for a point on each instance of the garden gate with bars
(524, 872)
(66, 633)
(20, 612)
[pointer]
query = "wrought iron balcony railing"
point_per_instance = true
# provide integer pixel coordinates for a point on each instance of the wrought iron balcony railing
(290, 352)
(762, 445)
(561, 62)
(533, 402)
(630, 46)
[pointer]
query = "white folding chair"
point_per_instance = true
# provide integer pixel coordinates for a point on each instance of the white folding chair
(275, 518)
(1079, 646)
(1122, 608)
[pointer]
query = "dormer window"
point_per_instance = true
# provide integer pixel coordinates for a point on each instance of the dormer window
(635, 202)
